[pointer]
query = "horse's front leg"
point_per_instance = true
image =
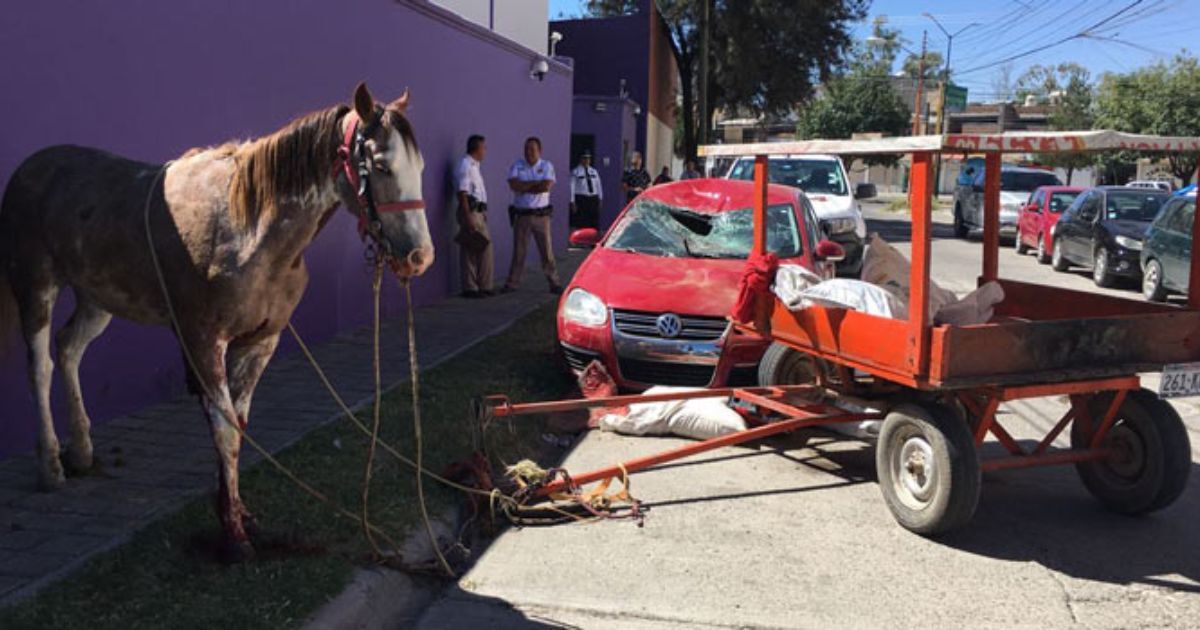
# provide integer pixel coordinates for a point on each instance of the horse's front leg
(246, 365)
(224, 423)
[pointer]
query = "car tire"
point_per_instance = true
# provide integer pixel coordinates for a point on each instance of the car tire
(1019, 246)
(1042, 256)
(928, 469)
(1152, 454)
(960, 226)
(1152, 287)
(1057, 261)
(1100, 273)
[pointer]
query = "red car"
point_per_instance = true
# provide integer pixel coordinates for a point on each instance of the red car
(1036, 220)
(651, 301)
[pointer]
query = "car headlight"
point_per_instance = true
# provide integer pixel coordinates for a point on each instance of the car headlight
(584, 308)
(839, 226)
(1129, 243)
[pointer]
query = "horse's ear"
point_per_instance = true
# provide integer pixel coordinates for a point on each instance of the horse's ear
(401, 104)
(364, 103)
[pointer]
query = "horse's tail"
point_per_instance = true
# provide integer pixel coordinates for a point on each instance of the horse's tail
(8, 300)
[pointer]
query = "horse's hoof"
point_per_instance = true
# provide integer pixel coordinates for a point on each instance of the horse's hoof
(78, 464)
(237, 551)
(51, 477)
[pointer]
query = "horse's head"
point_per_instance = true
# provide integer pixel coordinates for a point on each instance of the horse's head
(390, 204)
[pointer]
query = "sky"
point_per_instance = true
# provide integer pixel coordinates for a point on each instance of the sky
(1146, 32)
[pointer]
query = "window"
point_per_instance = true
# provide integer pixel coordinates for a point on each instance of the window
(1183, 214)
(1060, 201)
(658, 229)
(811, 224)
(1088, 206)
(1026, 180)
(1133, 205)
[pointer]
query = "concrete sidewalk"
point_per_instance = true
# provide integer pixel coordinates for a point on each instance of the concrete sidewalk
(167, 457)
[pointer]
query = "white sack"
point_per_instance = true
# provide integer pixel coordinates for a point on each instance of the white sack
(977, 307)
(885, 266)
(698, 418)
(856, 295)
(790, 282)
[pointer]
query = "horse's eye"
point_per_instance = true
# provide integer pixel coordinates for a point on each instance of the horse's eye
(380, 165)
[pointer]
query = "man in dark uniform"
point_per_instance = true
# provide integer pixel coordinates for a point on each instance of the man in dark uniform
(586, 194)
(636, 178)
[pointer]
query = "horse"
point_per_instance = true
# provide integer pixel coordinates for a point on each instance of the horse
(210, 244)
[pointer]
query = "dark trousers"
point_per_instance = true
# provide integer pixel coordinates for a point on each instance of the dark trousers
(587, 212)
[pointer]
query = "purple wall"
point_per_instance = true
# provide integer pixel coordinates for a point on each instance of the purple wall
(149, 79)
(608, 50)
(612, 128)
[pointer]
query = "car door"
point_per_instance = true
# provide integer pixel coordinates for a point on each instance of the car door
(1068, 231)
(1031, 215)
(1178, 246)
(974, 210)
(1157, 244)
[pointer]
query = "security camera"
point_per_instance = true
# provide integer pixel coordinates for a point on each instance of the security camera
(555, 37)
(539, 69)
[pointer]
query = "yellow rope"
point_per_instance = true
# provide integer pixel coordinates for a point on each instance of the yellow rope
(370, 463)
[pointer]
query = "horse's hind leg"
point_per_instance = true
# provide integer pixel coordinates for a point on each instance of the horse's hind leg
(87, 323)
(36, 303)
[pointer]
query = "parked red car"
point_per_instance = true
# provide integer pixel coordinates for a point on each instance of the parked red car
(651, 300)
(1038, 216)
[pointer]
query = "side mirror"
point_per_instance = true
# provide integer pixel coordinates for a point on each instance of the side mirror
(829, 251)
(865, 190)
(970, 170)
(584, 237)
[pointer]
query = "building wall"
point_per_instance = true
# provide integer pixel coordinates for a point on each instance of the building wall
(151, 79)
(523, 21)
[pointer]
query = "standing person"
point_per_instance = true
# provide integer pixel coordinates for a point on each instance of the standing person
(689, 171)
(586, 194)
(636, 178)
(664, 177)
(473, 235)
(530, 179)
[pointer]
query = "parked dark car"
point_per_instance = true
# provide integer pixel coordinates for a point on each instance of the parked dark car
(1103, 229)
(1167, 252)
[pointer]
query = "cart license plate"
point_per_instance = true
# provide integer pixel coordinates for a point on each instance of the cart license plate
(1180, 379)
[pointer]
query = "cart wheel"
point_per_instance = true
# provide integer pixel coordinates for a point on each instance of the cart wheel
(1152, 454)
(782, 365)
(928, 469)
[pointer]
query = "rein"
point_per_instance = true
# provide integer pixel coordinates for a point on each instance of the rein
(355, 162)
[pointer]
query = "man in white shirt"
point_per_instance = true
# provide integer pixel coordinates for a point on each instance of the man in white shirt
(530, 179)
(473, 236)
(586, 194)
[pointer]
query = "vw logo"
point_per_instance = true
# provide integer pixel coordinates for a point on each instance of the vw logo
(668, 325)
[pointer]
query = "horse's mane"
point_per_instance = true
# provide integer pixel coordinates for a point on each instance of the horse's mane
(290, 162)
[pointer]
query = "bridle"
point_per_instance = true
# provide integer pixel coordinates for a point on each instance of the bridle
(354, 160)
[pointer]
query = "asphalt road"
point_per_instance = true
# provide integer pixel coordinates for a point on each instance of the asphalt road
(793, 533)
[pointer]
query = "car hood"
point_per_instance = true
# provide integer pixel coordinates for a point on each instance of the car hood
(691, 286)
(828, 206)
(1124, 227)
(1013, 197)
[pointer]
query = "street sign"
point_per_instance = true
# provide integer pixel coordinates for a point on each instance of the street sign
(956, 97)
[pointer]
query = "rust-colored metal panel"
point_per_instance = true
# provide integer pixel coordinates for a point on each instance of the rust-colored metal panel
(991, 216)
(917, 359)
(1016, 348)
(869, 343)
(1040, 302)
(760, 205)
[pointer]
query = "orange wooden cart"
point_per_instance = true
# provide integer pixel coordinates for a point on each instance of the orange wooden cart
(937, 387)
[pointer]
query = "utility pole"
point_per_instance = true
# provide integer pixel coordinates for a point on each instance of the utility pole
(705, 122)
(918, 109)
(944, 122)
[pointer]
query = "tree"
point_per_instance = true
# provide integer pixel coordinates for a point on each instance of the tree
(1161, 99)
(1067, 89)
(933, 65)
(863, 99)
(765, 55)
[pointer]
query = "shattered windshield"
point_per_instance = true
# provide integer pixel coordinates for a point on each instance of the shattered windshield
(658, 229)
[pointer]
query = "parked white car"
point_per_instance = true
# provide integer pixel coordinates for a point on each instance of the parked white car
(824, 180)
(1153, 184)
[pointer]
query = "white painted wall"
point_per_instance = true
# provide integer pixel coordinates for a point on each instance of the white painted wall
(523, 21)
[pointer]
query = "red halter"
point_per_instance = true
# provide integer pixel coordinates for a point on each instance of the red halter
(359, 171)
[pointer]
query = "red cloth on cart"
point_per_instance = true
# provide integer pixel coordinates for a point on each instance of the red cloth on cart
(756, 281)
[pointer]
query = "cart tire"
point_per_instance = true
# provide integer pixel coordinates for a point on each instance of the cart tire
(783, 365)
(1042, 256)
(912, 439)
(1155, 455)
(1057, 260)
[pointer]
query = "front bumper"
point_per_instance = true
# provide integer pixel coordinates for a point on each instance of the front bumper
(1126, 263)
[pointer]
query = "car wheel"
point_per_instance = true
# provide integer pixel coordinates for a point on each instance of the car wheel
(1057, 261)
(1042, 256)
(960, 226)
(1019, 245)
(1152, 287)
(1100, 274)
(927, 467)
